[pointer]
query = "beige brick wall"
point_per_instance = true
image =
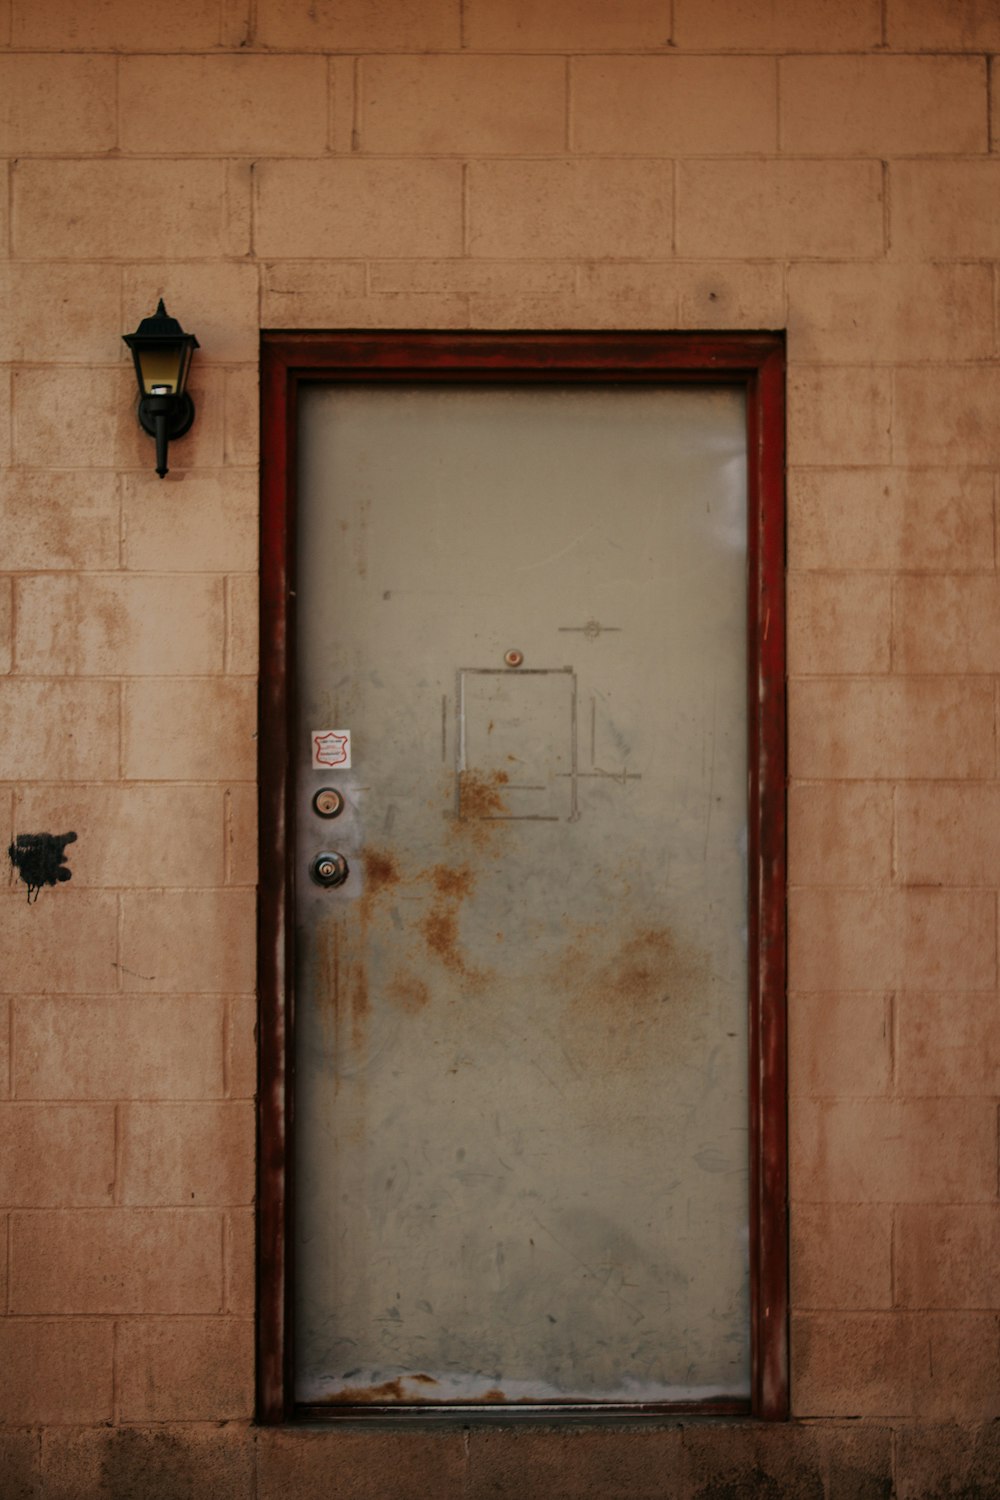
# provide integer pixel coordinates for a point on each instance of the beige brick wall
(825, 166)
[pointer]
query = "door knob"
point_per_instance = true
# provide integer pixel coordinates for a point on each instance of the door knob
(329, 869)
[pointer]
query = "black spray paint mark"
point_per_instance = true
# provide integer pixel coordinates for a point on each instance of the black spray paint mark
(40, 859)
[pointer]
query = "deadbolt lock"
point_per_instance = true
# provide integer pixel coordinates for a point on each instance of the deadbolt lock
(328, 802)
(329, 869)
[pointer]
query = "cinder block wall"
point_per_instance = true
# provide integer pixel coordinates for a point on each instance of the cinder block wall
(825, 166)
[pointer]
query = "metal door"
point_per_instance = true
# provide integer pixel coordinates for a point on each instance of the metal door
(521, 1020)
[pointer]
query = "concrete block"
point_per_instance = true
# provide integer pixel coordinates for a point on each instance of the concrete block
(6, 624)
(65, 943)
(358, 208)
(241, 835)
(840, 314)
(841, 1255)
(240, 1263)
(56, 1370)
(833, 413)
(929, 1365)
(198, 1462)
(114, 26)
(120, 210)
(926, 26)
(69, 417)
(894, 1150)
(190, 1153)
(57, 104)
(840, 833)
(756, 25)
(185, 1369)
(448, 105)
(838, 623)
(948, 1043)
(947, 835)
(840, 1045)
(190, 522)
(944, 210)
(83, 326)
(754, 209)
(899, 727)
(198, 729)
(946, 415)
(64, 730)
(157, 625)
(883, 106)
(57, 1155)
(120, 1260)
(223, 106)
(310, 294)
(532, 209)
(575, 1465)
(948, 1458)
(564, 26)
(885, 519)
(218, 952)
(242, 625)
(242, 417)
(920, 939)
(119, 1047)
(5, 1036)
(673, 106)
(442, 278)
(370, 1465)
(357, 26)
(20, 1456)
(724, 294)
(59, 521)
(947, 1256)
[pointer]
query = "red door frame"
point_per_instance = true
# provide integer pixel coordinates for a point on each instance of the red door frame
(754, 361)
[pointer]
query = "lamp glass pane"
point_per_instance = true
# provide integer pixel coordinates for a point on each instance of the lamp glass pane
(160, 368)
(185, 366)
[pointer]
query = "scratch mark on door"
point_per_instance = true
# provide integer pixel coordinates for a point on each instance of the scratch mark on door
(544, 562)
(711, 771)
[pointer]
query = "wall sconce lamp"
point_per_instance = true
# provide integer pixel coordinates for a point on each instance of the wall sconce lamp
(162, 353)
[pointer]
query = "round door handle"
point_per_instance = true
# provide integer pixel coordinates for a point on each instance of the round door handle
(329, 869)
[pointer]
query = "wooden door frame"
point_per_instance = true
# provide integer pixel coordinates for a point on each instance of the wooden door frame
(753, 361)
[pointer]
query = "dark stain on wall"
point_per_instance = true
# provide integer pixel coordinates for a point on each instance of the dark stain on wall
(40, 859)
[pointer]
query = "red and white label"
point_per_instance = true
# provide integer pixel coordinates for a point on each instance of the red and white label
(331, 747)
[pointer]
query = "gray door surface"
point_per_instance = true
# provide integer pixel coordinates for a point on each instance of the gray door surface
(521, 1020)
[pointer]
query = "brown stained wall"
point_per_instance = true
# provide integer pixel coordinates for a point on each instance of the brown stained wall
(825, 166)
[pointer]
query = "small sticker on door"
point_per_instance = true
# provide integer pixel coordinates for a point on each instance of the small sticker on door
(331, 747)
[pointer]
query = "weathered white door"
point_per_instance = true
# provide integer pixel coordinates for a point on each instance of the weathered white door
(521, 1020)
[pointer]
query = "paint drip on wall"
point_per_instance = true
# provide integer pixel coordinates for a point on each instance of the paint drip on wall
(40, 859)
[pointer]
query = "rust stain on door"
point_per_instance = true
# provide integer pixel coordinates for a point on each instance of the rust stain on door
(451, 886)
(385, 1391)
(650, 981)
(480, 800)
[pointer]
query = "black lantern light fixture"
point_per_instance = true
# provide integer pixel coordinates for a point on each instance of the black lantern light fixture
(162, 353)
